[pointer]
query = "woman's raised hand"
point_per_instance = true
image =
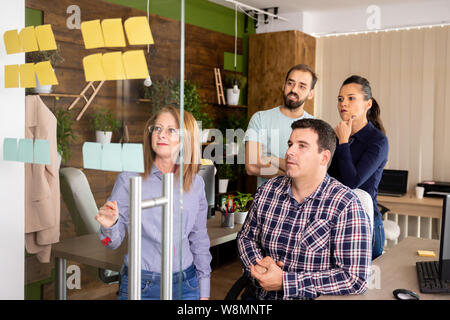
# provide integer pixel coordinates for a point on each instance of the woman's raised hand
(343, 130)
(108, 214)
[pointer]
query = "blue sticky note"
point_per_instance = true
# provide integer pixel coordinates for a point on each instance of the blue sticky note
(10, 149)
(41, 151)
(133, 157)
(92, 155)
(112, 157)
(25, 153)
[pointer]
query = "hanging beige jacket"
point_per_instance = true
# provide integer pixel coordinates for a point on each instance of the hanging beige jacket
(42, 195)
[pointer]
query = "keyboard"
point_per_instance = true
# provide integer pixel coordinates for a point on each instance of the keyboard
(428, 275)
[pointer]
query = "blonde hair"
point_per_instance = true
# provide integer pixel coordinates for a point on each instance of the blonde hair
(191, 145)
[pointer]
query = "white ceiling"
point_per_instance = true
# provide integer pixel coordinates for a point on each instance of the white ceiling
(287, 6)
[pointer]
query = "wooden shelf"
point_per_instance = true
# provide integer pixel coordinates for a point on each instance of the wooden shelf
(233, 107)
(59, 95)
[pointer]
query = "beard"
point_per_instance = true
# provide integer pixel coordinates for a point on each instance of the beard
(293, 104)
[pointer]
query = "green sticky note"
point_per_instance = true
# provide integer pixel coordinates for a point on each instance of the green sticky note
(132, 157)
(41, 151)
(25, 153)
(10, 149)
(92, 155)
(111, 157)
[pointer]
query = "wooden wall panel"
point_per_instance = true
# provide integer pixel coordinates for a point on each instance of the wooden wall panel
(204, 51)
(272, 55)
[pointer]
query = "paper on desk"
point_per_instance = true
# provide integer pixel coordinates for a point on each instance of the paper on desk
(45, 37)
(111, 157)
(92, 34)
(132, 157)
(45, 73)
(113, 66)
(12, 76)
(25, 151)
(27, 38)
(138, 31)
(113, 33)
(12, 42)
(41, 151)
(135, 64)
(10, 149)
(27, 77)
(93, 67)
(92, 155)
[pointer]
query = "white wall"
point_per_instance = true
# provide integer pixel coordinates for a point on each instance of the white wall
(12, 124)
(391, 16)
(353, 19)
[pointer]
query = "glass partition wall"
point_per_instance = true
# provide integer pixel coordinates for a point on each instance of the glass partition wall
(115, 115)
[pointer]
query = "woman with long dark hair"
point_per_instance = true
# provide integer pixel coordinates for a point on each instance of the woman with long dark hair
(362, 149)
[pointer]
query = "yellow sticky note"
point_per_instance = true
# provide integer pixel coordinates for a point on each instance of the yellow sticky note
(113, 33)
(27, 37)
(93, 67)
(425, 253)
(12, 42)
(113, 66)
(138, 31)
(135, 64)
(45, 73)
(27, 77)
(45, 37)
(12, 76)
(92, 34)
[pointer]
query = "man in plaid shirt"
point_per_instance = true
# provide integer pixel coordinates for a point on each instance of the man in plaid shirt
(306, 234)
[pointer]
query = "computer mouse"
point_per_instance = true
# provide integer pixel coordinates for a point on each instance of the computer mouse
(404, 294)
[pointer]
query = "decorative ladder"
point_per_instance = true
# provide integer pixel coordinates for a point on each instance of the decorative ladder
(219, 87)
(88, 101)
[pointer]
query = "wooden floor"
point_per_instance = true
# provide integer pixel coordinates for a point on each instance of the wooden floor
(222, 279)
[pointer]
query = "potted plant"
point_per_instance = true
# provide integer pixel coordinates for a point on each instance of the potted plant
(64, 134)
(234, 82)
(167, 92)
(241, 201)
(38, 56)
(225, 174)
(104, 124)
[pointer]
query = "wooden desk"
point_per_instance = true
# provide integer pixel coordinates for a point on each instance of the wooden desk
(397, 269)
(411, 206)
(89, 250)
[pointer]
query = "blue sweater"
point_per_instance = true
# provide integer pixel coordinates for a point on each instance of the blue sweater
(360, 163)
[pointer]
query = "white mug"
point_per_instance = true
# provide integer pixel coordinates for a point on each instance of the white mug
(419, 192)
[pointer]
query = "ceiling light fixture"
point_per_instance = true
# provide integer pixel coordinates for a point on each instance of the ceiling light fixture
(243, 5)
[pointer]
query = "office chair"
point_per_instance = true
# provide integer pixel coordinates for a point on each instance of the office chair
(391, 228)
(245, 285)
(79, 200)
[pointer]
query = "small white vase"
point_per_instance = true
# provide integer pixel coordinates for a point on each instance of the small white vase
(42, 89)
(103, 136)
(239, 217)
(223, 185)
(233, 96)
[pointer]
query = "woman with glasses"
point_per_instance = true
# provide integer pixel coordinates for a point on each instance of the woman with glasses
(362, 149)
(191, 253)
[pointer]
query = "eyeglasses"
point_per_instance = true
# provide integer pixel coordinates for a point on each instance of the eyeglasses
(170, 132)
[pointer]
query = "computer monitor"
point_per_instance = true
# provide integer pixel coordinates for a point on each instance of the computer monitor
(434, 276)
(393, 183)
(444, 253)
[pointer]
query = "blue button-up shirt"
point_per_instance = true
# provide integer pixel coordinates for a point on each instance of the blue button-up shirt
(194, 237)
(360, 163)
(324, 241)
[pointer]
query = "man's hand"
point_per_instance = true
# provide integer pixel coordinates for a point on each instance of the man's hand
(272, 278)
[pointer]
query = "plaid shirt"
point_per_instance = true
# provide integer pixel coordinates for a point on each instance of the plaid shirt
(324, 242)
